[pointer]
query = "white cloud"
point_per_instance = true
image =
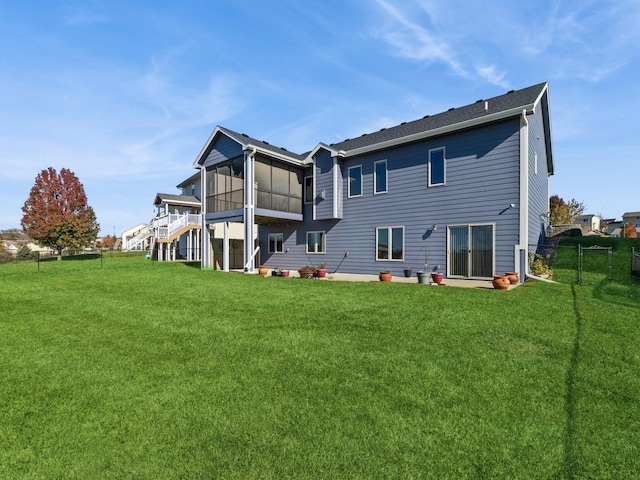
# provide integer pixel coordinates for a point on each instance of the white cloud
(490, 74)
(415, 42)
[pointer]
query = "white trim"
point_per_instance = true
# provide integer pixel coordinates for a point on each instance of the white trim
(375, 177)
(335, 187)
(444, 167)
(390, 230)
(349, 181)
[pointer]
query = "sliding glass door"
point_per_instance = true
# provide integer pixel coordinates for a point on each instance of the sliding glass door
(471, 251)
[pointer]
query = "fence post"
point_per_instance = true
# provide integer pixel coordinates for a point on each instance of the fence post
(579, 264)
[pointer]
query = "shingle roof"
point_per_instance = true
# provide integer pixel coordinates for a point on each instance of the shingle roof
(247, 140)
(175, 199)
(510, 101)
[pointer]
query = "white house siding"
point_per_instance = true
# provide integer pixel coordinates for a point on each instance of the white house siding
(482, 179)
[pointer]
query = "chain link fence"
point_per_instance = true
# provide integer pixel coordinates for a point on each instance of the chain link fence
(586, 260)
(32, 261)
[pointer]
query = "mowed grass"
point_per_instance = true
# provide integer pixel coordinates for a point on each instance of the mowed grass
(148, 370)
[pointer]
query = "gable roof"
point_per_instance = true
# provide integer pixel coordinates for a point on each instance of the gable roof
(511, 103)
(247, 143)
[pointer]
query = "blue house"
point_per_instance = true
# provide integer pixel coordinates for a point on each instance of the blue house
(465, 191)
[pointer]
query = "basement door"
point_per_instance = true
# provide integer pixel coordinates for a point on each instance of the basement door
(470, 251)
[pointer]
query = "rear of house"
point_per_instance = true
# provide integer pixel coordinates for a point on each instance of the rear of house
(464, 191)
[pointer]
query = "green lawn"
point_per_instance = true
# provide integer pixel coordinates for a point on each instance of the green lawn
(146, 370)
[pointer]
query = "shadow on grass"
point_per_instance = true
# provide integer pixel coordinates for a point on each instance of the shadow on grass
(196, 265)
(82, 257)
(570, 427)
(625, 294)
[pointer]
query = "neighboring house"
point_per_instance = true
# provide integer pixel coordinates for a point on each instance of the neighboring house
(136, 238)
(633, 218)
(467, 187)
(588, 223)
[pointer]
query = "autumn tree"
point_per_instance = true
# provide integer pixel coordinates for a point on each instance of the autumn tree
(56, 214)
(629, 231)
(107, 242)
(562, 212)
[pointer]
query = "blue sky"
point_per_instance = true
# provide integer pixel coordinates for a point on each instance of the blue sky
(125, 93)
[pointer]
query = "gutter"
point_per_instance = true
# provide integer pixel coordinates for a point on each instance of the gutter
(439, 131)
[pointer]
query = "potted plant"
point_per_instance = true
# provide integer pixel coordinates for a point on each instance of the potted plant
(306, 272)
(263, 270)
(322, 270)
(407, 271)
(423, 275)
(437, 277)
(385, 276)
(280, 272)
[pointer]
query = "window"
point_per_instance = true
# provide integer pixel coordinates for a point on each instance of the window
(355, 181)
(275, 242)
(308, 189)
(380, 177)
(390, 243)
(193, 189)
(315, 242)
(436, 167)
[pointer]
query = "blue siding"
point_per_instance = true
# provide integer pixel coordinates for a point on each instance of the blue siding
(482, 179)
(223, 149)
(538, 178)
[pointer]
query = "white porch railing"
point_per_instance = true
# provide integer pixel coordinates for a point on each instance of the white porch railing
(167, 225)
(139, 242)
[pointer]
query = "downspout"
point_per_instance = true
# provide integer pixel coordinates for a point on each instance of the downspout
(522, 248)
(335, 187)
(313, 188)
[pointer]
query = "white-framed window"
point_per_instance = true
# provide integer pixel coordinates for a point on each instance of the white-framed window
(437, 167)
(308, 189)
(355, 181)
(316, 242)
(390, 243)
(380, 177)
(275, 241)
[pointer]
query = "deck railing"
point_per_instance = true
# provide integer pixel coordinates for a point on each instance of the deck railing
(167, 225)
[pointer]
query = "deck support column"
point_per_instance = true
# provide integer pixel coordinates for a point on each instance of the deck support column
(225, 247)
(249, 210)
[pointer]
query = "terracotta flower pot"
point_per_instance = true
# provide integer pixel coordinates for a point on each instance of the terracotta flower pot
(385, 276)
(513, 277)
(500, 282)
(263, 270)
